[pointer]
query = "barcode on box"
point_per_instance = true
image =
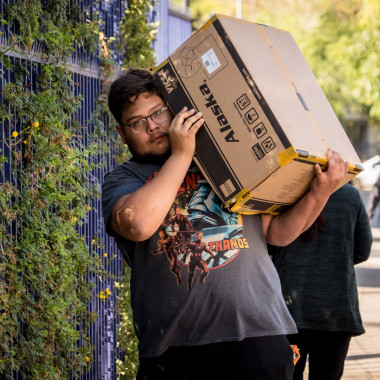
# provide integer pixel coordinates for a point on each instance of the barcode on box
(210, 60)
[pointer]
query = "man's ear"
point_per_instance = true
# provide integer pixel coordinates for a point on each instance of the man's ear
(120, 131)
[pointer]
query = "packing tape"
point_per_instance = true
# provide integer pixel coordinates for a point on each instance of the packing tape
(242, 194)
(209, 22)
(162, 64)
(286, 156)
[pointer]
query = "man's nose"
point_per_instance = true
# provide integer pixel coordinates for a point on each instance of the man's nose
(150, 125)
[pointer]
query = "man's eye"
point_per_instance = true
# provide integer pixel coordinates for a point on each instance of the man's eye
(137, 123)
(158, 112)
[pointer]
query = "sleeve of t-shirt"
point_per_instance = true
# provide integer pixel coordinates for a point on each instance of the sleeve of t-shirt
(363, 234)
(121, 181)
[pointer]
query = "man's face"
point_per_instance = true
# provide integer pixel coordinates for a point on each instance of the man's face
(154, 143)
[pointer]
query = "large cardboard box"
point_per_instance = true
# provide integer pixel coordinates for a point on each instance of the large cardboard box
(267, 121)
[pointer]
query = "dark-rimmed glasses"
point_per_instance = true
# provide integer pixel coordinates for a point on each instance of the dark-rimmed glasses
(141, 125)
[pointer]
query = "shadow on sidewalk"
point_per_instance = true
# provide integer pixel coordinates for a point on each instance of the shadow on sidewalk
(358, 357)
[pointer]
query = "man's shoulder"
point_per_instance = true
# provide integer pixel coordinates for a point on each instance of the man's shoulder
(348, 190)
(347, 196)
(117, 172)
(129, 167)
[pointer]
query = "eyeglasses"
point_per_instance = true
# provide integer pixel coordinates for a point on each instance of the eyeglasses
(141, 125)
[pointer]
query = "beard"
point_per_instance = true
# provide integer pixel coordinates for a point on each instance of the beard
(150, 158)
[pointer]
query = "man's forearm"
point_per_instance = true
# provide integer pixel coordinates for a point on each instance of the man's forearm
(283, 229)
(286, 227)
(138, 215)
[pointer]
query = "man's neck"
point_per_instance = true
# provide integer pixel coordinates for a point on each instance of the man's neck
(150, 159)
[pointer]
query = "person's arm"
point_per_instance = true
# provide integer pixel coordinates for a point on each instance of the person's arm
(137, 216)
(281, 230)
(362, 236)
(188, 223)
(209, 251)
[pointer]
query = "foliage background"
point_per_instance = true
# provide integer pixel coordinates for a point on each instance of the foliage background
(44, 261)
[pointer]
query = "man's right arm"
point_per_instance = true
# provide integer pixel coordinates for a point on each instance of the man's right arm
(137, 216)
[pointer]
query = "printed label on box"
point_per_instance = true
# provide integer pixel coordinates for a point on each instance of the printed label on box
(227, 188)
(211, 61)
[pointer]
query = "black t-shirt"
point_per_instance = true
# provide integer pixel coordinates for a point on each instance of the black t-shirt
(205, 281)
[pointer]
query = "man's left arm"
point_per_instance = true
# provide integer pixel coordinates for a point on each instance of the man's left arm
(281, 230)
(363, 235)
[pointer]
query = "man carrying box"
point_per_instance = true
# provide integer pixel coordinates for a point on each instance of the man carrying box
(233, 323)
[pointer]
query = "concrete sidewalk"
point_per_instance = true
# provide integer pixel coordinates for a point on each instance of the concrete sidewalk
(363, 359)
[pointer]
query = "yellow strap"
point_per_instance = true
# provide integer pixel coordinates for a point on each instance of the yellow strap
(156, 68)
(209, 22)
(286, 156)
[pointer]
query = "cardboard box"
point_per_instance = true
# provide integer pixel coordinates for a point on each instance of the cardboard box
(267, 121)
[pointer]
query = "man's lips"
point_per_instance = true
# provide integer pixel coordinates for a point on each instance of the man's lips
(158, 138)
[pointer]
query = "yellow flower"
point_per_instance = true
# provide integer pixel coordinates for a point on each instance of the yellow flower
(89, 208)
(102, 296)
(87, 359)
(15, 134)
(24, 141)
(104, 254)
(75, 218)
(108, 292)
(36, 124)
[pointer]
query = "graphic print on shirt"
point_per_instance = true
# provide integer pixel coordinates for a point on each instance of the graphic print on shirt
(198, 233)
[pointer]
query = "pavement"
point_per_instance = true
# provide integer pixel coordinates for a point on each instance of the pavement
(363, 358)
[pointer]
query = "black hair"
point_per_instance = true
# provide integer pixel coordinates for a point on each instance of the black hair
(127, 87)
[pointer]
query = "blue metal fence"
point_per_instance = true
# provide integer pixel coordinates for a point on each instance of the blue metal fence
(175, 28)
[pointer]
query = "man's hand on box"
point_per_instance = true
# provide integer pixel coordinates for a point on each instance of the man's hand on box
(326, 182)
(283, 229)
(182, 131)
